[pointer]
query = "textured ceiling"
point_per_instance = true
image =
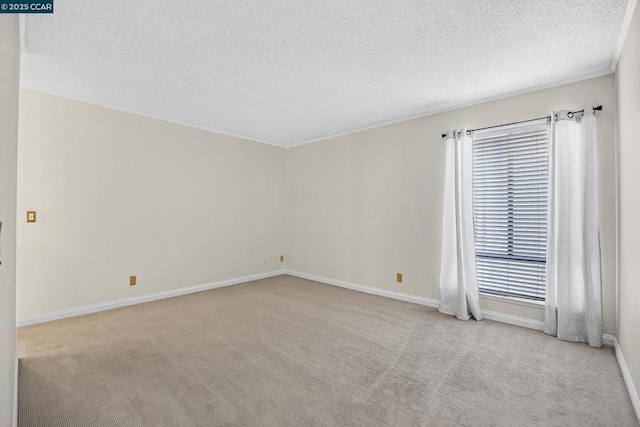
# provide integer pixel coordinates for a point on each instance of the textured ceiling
(290, 71)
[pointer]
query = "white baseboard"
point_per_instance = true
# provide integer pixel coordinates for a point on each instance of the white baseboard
(633, 393)
(513, 320)
(367, 289)
(608, 340)
(490, 315)
(15, 392)
(79, 311)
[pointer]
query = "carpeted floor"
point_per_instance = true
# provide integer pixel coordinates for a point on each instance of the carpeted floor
(290, 352)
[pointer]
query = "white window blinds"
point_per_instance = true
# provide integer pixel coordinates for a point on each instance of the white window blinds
(510, 179)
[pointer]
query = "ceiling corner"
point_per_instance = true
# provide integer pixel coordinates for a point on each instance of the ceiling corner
(626, 23)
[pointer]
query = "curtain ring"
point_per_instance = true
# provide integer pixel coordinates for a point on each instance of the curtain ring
(468, 132)
(570, 114)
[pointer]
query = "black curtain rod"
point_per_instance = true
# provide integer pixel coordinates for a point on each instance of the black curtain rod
(570, 114)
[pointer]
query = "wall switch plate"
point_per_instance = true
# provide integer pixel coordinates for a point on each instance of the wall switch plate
(31, 216)
(132, 280)
(281, 258)
(399, 277)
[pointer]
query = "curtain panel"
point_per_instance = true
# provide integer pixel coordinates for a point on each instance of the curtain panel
(573, 306)
(458, 278)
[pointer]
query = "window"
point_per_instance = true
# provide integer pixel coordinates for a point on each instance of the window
(510, 185)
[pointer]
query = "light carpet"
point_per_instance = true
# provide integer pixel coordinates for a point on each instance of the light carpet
(285, 351)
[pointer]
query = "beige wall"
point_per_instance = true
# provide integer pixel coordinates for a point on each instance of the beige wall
(9, 79)
(628, 90)
(176, 206)
(118, 194)
(365, 206)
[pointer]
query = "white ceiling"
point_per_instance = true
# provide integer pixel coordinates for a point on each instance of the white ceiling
(291, 71)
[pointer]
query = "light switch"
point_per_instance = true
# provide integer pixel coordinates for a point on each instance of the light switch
(31, 216)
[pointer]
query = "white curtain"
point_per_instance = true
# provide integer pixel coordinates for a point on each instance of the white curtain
(458, 280)
(573, 309)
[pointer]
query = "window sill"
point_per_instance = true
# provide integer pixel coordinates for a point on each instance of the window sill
(514, 300)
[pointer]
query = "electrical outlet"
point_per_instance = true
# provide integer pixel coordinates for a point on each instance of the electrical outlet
(399, 277)
(132, 280)
(281, 258)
